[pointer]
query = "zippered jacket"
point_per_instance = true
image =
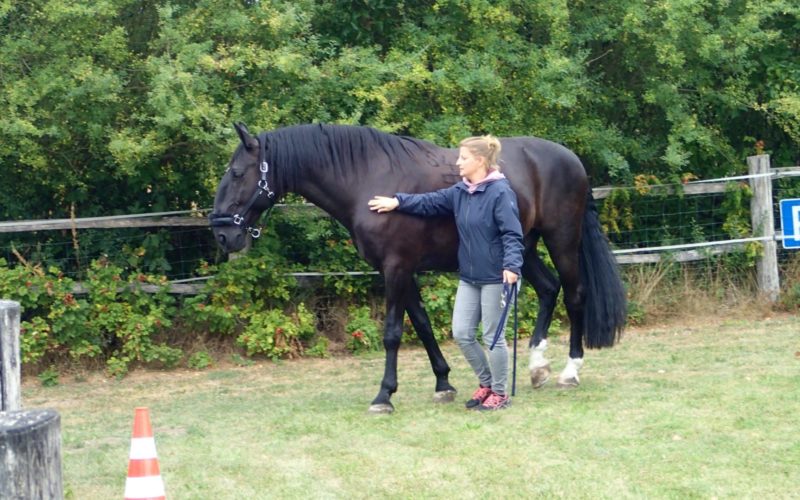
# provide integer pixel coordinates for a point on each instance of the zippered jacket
(489, 231)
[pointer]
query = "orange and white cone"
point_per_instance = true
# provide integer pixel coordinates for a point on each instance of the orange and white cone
(144, 477)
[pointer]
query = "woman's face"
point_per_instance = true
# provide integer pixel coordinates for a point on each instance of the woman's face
(470, 166)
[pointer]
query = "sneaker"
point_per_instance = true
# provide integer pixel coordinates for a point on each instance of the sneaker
(495, 402)
(479, 396)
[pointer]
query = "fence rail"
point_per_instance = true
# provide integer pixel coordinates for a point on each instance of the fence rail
(677, 253)
(197, 218)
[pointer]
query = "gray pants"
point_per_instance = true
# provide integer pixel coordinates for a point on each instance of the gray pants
(481, 304)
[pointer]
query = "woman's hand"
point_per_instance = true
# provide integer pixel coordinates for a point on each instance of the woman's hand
(509, 277)
(383, 204)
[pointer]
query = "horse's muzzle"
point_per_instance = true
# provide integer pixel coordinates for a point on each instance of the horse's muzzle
(229, 233)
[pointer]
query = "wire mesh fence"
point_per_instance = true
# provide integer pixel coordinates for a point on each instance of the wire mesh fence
(172, 252)
(636, 218)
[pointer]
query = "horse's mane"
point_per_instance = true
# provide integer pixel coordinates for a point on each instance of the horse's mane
(344, 150)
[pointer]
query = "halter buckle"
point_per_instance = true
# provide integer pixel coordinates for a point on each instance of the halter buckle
(264, 167)
(238, 219)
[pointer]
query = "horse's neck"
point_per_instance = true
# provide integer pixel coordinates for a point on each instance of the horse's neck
(329, 197)
(323, 188)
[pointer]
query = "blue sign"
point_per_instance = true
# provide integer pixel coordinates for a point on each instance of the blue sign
(790, 222)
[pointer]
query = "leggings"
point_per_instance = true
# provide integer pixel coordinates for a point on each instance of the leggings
(481, 304)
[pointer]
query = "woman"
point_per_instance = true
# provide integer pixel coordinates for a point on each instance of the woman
(489, 255)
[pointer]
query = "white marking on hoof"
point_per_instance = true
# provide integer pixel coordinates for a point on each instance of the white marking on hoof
(567, 383)
(540, 376)
(539, 366)
(444, 396)
(381, 409)
(569, 377)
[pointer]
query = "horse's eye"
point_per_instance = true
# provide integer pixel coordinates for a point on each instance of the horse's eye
(237, 173)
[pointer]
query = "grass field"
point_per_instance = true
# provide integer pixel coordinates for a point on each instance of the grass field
(701, 411)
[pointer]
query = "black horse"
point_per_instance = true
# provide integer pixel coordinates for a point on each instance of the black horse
(340, 168)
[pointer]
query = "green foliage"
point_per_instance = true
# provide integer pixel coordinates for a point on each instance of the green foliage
(616, 214)
(438, 294)
(129, 315)
(199, 360)
(653, 213)
(116, 318)
(736, 206)
(276, 334)
(790, 281)
(790, 298)
(528, 305)
(239, 289)
(248, 298)
(239, 360)
(315, 241)
(135, 99)
(319, 349)
(363, 332)
(48, 377)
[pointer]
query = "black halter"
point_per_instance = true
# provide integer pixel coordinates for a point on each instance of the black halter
(220, 220)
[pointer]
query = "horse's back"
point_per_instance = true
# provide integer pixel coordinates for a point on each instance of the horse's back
(549, 180)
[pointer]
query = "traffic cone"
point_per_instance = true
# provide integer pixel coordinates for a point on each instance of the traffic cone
(144, 477)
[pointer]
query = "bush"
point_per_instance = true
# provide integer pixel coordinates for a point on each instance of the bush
(115, 318)
(199, 360)
(363, 332)
(276, 334)
(438, 293)
(248, 298)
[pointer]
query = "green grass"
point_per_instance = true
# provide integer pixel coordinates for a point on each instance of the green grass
(678, 412)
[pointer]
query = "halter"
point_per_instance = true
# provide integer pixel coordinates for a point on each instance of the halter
(221, 220)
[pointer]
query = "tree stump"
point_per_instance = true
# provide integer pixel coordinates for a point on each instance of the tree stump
(30, 455)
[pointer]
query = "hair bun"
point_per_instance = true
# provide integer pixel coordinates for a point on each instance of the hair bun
(486, 146)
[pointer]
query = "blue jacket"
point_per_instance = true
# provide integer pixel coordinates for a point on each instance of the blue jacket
(489, 231)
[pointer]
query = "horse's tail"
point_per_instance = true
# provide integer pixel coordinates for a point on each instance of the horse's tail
(605, 308)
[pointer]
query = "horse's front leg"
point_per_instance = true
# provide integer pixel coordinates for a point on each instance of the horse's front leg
(444, 392)
(396, 287)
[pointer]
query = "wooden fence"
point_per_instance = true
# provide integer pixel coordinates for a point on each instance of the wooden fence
(760, 176)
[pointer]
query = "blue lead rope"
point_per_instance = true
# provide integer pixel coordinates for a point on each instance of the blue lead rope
(509, 292)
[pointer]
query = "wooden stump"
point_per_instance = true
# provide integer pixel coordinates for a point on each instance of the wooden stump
(30, 455)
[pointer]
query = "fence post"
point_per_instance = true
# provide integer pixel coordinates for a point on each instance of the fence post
(9, 356)
(764, 225)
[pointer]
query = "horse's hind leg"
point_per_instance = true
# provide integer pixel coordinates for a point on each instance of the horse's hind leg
(563, 248)
(547, 286)
(444, 392)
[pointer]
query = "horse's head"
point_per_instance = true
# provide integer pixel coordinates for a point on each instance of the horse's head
(243, 193)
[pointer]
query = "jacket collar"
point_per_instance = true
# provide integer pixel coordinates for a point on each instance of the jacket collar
(480, 186)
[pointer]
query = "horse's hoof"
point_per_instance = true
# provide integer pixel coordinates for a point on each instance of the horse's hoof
(568, 383)
(444, 396)
(380, 409)
(540, 376)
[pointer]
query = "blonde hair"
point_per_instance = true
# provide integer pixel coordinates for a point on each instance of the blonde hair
(485, 146)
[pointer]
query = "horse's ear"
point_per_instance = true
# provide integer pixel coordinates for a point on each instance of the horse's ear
(244, 135)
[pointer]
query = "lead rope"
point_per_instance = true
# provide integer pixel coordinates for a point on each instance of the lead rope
(514, 371)
(509, 292)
